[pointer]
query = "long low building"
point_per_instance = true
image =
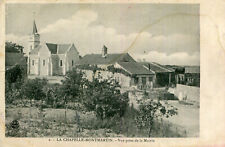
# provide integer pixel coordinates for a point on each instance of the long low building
(124, 64)
(163, 76)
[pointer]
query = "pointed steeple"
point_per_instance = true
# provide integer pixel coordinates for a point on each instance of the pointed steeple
(34, 28)
(104, 51)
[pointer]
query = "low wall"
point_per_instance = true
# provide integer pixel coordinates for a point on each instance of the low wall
(123, 80)
(184, 92)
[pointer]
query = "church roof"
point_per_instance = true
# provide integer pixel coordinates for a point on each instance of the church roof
(53, 48)
(95, 59)
(62, 48)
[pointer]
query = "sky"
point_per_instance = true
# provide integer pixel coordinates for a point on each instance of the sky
(163, 33)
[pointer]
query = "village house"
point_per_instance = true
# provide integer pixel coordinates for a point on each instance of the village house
(134, 74)
(49, 59)
(163, 76)
(192, 75)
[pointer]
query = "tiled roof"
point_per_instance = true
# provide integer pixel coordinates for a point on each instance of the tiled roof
(192, 69)
(135, 68)
(62, 48)
(53, 48)
(12, 59)
(92, 59)
(157, 68)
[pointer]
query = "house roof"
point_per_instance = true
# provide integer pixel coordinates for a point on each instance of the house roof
(135, 68)
(53, 48)
(192, 69)
(12, 59)
(157, 68)
(95, 59)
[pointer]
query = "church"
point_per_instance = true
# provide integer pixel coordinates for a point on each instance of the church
(49, 59)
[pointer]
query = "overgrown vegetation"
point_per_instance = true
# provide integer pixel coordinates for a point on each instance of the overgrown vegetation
(13, 47)
(150, 111)
(77, 97)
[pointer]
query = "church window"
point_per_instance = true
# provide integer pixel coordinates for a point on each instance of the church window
(60, 63)
(32, 62)
(43, 62)
(72, 62)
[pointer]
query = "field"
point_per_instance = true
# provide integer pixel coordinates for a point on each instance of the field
(52, 123)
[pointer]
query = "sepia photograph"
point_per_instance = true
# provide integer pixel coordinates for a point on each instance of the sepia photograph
(87, 70)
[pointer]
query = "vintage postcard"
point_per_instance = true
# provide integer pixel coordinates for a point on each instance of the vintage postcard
(112, 73)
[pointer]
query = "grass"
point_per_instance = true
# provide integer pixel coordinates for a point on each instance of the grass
(51, 123)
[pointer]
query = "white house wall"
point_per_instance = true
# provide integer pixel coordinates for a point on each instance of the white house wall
(123, 80)
(44, 55)
(34, 69)
(72, 55)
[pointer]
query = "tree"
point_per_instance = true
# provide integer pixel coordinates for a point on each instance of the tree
(33, 89)
(13, 47)
(15, 74)
(104, 98)
(149, 111)
(73, 85)
(14, 78)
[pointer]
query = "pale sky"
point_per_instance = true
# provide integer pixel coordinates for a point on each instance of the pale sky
(163, 33)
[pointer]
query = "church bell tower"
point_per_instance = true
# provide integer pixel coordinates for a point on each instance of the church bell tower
(34, 39)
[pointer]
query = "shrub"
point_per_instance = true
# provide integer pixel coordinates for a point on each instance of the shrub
(33, 89)
(73, 85)
(104, 98)
(15, 74)
(151, 110)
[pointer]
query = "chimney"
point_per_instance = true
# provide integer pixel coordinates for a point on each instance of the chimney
(149, 66)
(104, 51)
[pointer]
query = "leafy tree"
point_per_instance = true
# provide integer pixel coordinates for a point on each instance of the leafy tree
(15, 74)
(33, 89)
(14, 78)
(149, 111)
(13, 47)
(53, 95)
(103, 96)
(73, 85)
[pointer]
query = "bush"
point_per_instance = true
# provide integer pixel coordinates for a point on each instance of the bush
(168, 96)
(104, 98)
(15, 74)
(151, 110)
(33, 89)
(12, 95)
(108, 123)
